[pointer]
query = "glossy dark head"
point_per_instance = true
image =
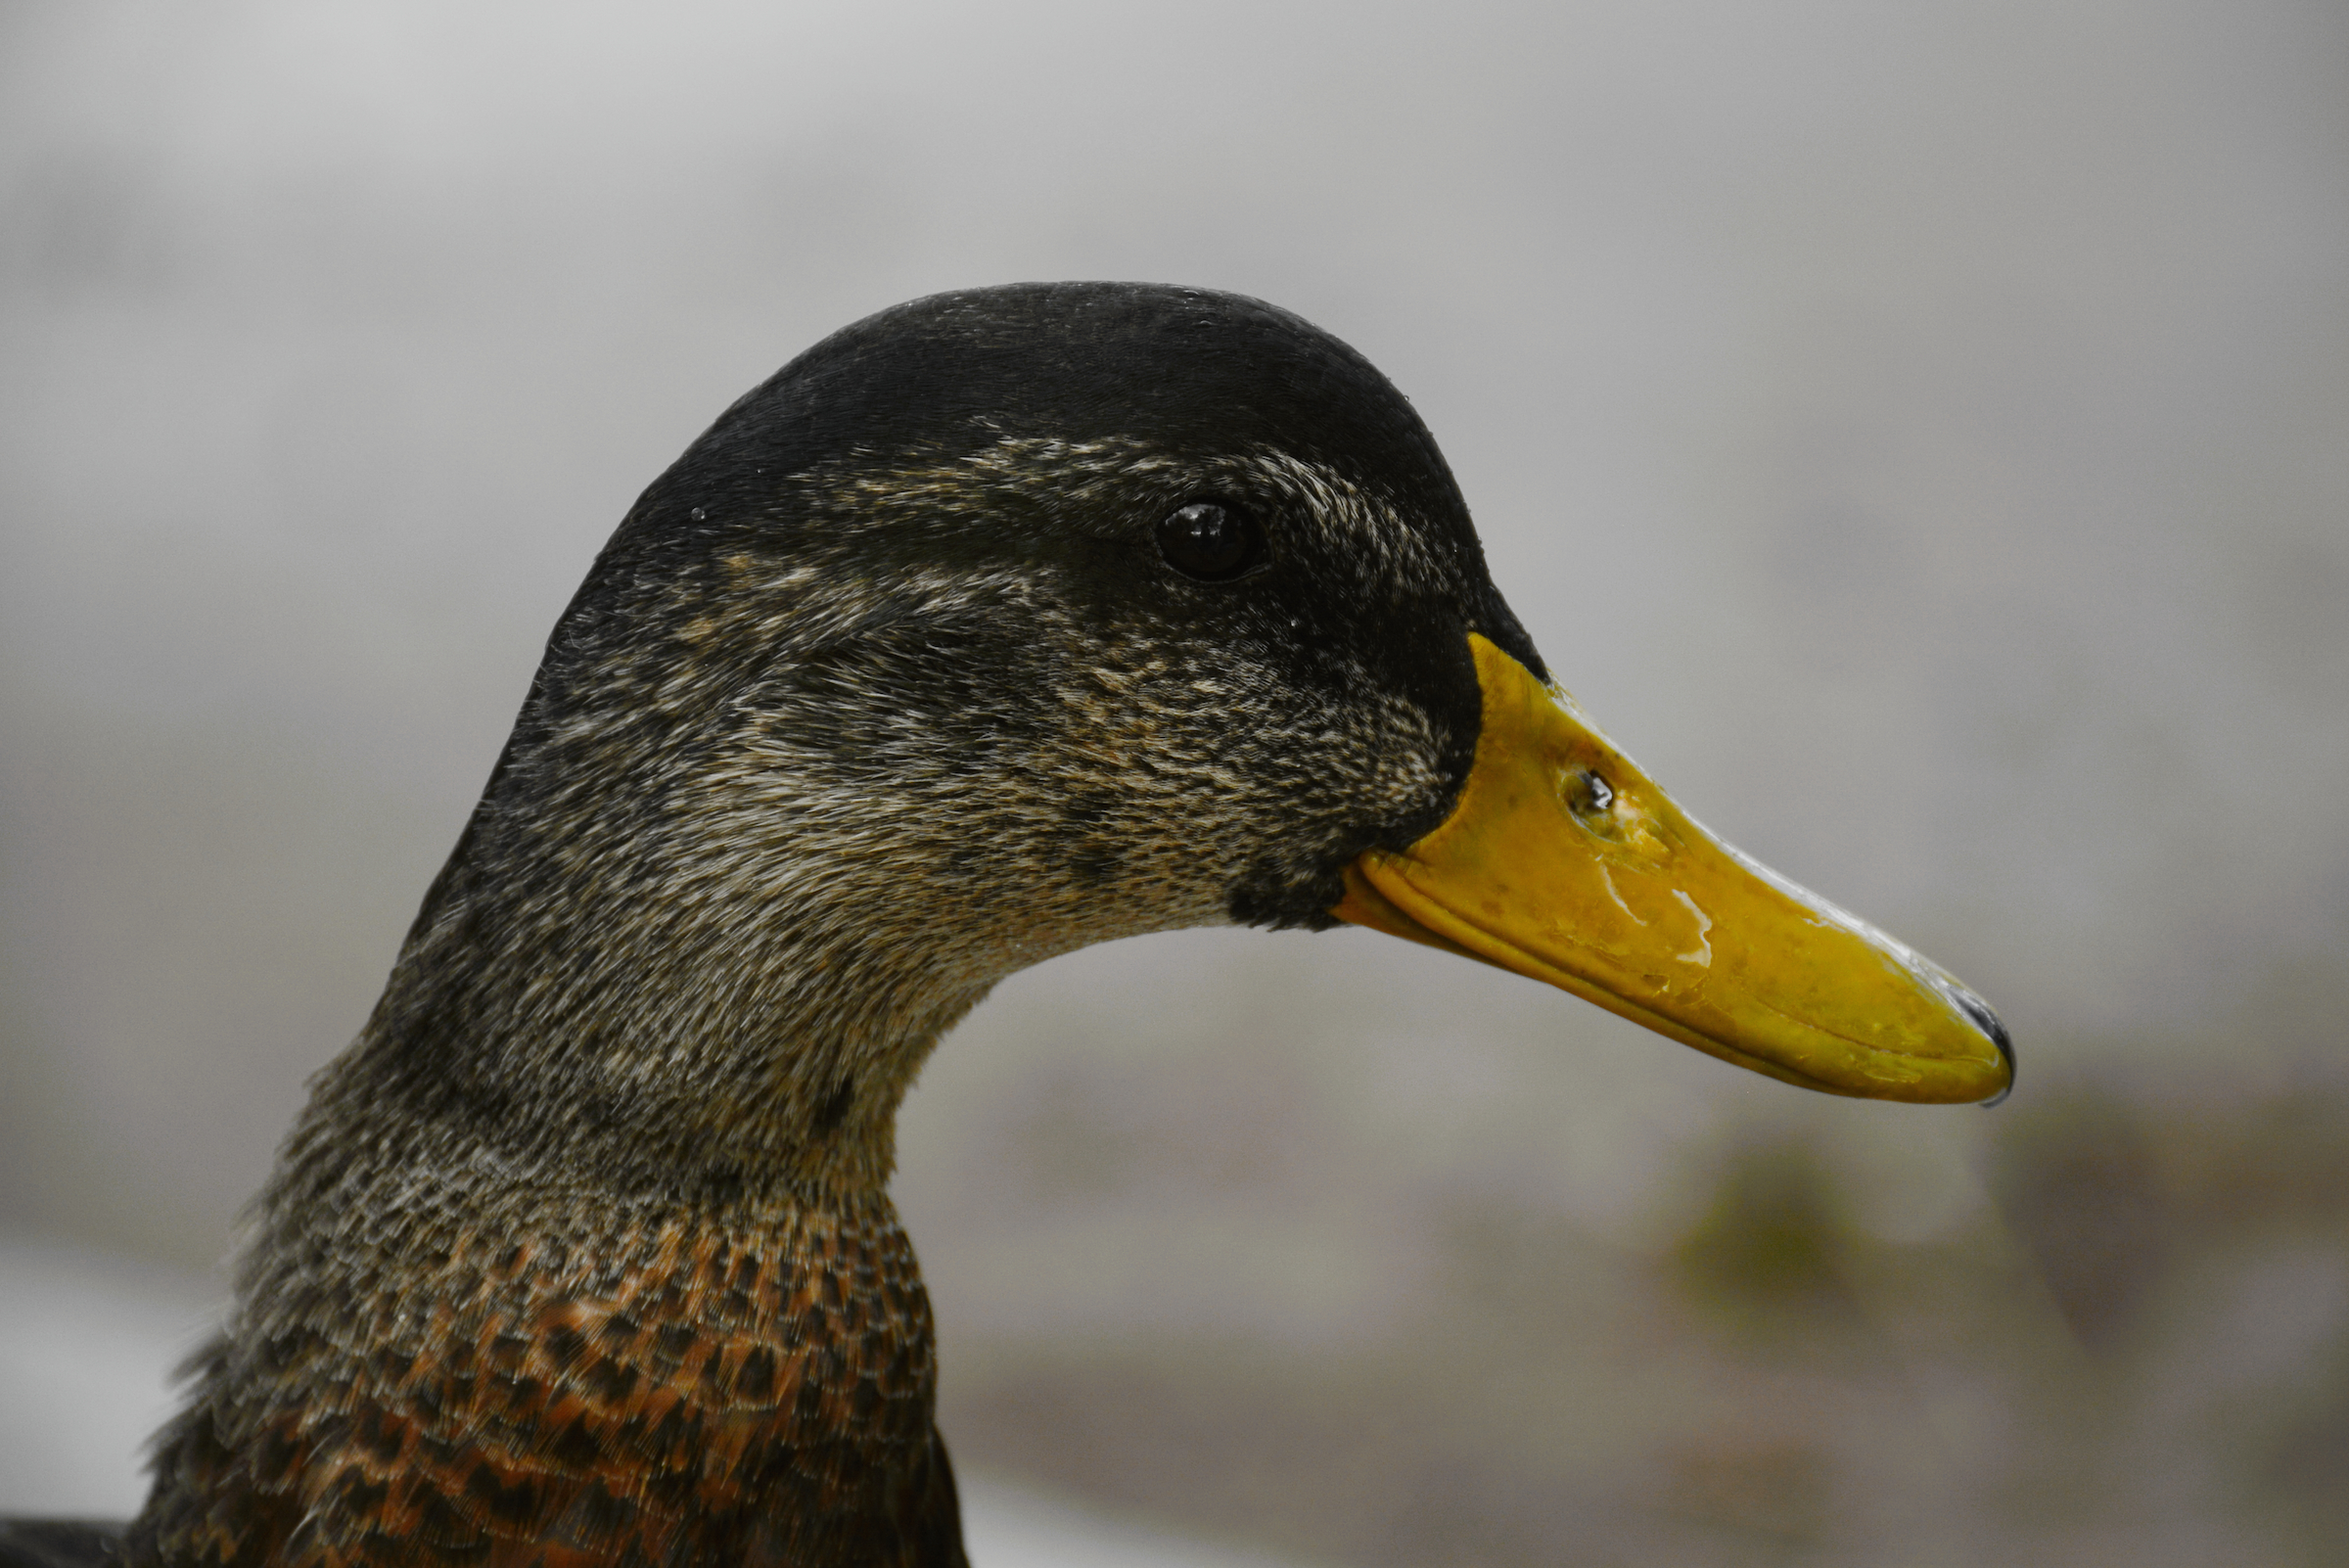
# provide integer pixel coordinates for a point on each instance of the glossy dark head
(996, 624)
(1200, 374)
(959, 504)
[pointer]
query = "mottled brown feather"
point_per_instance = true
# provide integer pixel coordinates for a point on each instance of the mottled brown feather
(686, 1388)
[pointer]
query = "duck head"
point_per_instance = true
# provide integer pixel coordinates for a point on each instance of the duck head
(998, 624)
(1014, 620)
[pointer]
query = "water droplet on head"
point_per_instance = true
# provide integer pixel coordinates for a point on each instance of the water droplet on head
(1587, 793)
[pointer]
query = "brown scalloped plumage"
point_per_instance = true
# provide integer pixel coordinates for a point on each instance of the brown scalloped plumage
(726, 1394)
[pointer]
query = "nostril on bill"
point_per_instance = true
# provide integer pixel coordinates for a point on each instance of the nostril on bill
(1987, 1021)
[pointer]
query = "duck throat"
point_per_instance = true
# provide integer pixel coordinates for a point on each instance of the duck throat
(645, 1384)
(658, 1020)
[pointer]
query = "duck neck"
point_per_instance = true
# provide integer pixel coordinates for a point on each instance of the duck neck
(595, 1247)
(646, 1038)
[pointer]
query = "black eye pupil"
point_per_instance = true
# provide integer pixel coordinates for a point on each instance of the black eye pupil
(1210, 539)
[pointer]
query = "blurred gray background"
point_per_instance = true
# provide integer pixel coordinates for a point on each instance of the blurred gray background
(1920, 433)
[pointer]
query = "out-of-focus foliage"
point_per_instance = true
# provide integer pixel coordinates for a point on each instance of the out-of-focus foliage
(2138, 1353)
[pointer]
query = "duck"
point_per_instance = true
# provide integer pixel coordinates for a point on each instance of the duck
(1000, 623)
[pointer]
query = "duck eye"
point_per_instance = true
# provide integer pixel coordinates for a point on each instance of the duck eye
(1211, 541)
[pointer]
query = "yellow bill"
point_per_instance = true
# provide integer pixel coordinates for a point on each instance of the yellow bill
(1564, 862)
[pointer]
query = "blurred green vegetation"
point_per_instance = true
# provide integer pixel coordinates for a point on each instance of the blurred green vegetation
(2137, 1352)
